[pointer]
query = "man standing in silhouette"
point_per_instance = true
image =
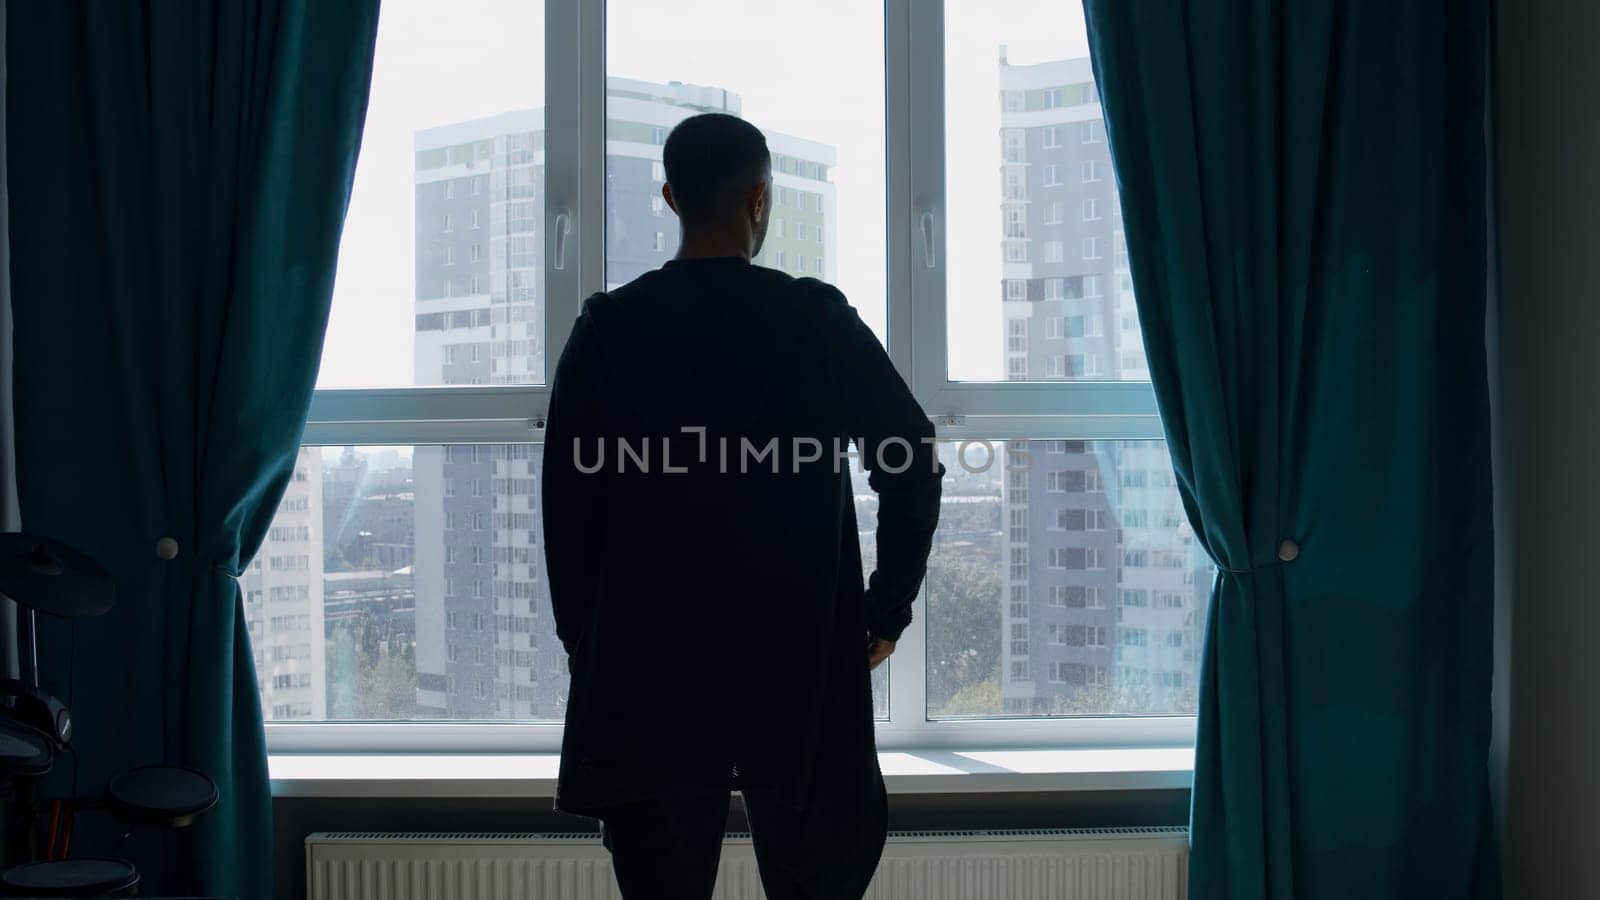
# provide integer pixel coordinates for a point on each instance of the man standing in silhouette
(704, 561)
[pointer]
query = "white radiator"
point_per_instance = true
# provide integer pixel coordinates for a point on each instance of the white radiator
(1075, 864)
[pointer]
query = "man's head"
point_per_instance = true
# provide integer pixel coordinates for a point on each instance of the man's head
(719, 181)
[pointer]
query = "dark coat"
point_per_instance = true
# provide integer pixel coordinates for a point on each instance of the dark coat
(716, 617)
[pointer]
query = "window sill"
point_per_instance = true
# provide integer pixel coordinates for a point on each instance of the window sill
(904, 771)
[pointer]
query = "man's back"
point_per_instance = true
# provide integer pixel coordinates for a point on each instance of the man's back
(707, 574)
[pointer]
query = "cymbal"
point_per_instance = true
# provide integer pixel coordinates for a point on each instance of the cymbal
(53, 578)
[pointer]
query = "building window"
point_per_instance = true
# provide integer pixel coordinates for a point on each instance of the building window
(658, 206)
(1090, 170)
(449, 258)
(475, 219)
(1091, 210)
(1052, 175)
(1092, 248)
(1052, 214)
(1054, 252)
(449, 222)
(658, 172)
(1052, 136)
(1092, 132)
(659, 245)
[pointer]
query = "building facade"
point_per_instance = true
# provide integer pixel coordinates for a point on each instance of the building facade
(486, 647)
(1105, 588)
(283, 593)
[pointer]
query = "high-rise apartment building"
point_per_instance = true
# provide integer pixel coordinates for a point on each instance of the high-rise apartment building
(1105, 587)
(486, 647)
(283, 600)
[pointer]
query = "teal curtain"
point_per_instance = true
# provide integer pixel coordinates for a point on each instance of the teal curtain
(183, 169)
(1303, 196)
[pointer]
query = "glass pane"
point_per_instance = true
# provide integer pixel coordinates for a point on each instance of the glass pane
(401, 583)
(823, 119)
(1065, 581)
(1038, 283)
(440, 267)
(406, 583)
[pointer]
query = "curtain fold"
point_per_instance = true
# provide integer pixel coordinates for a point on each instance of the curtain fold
(183, 169)
(1303, 197)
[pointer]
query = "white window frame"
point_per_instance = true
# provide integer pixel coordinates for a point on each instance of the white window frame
(575, 205)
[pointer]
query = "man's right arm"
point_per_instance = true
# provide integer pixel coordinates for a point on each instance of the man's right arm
(572, 502)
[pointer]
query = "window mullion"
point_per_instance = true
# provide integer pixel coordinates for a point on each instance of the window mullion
(923, 243)
(574, 212)
(901, 213)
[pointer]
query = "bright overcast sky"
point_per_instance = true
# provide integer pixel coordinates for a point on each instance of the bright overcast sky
(812, 69)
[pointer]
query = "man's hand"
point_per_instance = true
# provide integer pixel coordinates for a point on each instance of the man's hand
(877, 652)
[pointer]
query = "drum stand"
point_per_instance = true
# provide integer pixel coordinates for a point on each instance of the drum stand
(41, 575)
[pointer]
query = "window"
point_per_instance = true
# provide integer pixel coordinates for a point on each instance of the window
(441, 536)
(1091, 210)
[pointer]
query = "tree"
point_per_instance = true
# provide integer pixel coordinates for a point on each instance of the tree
(963, 615)
(388, 686)
(981, 698)
(371, 674)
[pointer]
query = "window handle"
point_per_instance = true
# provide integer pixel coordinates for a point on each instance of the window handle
(563, 226)
(927, 239)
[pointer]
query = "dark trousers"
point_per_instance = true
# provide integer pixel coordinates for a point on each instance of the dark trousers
(668, 847)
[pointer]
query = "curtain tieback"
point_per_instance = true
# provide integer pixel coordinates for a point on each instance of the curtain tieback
(1288, 551)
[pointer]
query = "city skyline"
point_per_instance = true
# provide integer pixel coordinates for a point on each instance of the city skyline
(457, 621)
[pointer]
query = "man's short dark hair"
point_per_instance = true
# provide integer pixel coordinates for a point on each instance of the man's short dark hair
(709, 160)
